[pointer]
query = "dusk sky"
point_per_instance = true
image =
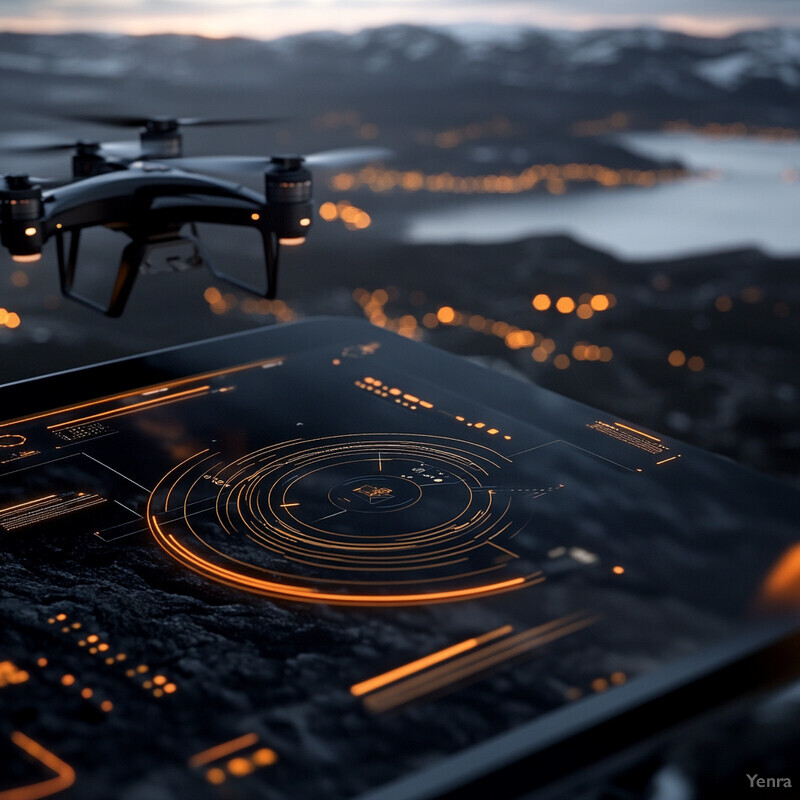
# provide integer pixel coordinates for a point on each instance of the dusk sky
(266, 19)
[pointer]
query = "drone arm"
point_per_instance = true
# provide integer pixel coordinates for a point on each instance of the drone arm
(123, 197)
(154, 182)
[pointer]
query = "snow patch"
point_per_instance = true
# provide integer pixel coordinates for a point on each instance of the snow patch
(379, 62)
(22, 63)
(479, 33)
(422, 48)
(604, 51)
(727, 72)
(93, 67)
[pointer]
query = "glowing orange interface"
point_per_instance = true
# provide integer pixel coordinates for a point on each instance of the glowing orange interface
(313, 558)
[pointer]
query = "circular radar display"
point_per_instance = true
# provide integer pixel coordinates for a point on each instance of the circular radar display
(356, 520)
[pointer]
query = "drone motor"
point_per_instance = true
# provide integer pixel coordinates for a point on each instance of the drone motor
(89, 160)
(21, 212)
(161, 138)
(287, 187)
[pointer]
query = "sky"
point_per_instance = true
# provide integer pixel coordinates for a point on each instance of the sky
(267, 19)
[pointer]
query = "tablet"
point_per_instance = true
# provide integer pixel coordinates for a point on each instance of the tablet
(321, 560)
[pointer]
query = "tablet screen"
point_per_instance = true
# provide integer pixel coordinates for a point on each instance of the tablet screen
(321, 560)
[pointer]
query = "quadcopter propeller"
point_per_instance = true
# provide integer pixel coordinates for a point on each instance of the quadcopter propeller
(347, 156)
(343, 157)
(166, 122)
(129, 149)
(46, 183)
(54, 147)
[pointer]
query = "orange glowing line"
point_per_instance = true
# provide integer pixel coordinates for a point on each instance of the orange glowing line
(425, 404)
(145, 390)
(29, 503)
(411, 398)
(65, 775)
(499, 547)
(172, 546)
(666, 460)
(449, 674)
(119, 412)
(481, 655)
(222, 750)
(641, 433)
(422, 663)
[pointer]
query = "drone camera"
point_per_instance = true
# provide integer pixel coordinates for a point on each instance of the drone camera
(21, 214)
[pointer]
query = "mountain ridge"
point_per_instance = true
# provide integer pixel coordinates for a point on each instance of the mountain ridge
(616, 60)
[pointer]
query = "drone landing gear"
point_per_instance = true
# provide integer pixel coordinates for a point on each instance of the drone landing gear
(271, 251)
(152, 255)
(130, 261)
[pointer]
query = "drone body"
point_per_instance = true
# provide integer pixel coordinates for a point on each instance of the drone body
(152, 195)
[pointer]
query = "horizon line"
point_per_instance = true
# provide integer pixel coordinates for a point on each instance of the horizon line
(444, 27)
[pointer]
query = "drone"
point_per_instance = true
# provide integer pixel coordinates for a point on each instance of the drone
(150, 192)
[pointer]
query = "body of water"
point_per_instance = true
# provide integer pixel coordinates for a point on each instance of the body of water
(743, 192)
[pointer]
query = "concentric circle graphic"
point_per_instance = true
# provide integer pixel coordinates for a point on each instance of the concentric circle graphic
(361, 519)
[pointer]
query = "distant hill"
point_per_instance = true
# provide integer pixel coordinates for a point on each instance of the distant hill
(616, 62)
